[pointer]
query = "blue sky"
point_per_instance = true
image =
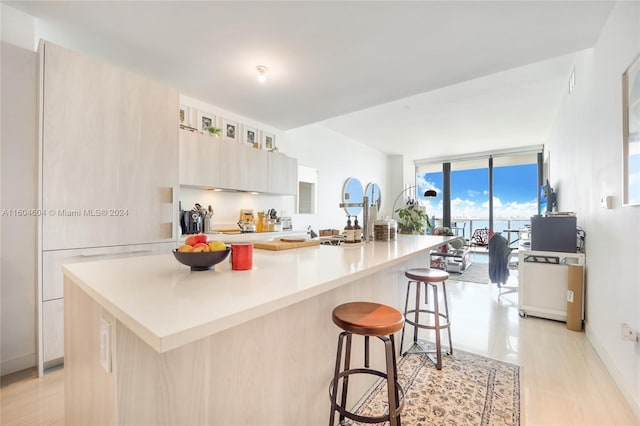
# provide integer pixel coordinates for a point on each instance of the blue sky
(515, 192)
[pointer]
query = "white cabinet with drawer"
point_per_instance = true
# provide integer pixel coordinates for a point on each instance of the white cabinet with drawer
(52, 336)
(52, 332)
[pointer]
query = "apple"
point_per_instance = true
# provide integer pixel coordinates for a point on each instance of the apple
(192, 240)
(217, 246)
(200, 247)
(186, 248)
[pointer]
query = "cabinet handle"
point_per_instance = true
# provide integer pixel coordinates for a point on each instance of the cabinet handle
(116, 254)
(173, 216)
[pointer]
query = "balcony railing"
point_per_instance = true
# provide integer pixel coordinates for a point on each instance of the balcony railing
(464, 227)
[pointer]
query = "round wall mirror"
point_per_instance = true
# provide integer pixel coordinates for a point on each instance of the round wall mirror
(373, 192)
(352, 193)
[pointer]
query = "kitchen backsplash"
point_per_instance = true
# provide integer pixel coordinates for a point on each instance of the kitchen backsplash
(227, 205)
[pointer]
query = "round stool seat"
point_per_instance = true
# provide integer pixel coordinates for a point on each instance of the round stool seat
(368, 319)
(426, 275)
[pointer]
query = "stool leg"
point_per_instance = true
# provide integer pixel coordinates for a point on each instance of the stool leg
(426, 295)
(334, 393)
(446, 311)
(417, 313)
(406, 306)
(366, 351)
(345, 379)
(395, 375)
(392, 391)
(437, 325)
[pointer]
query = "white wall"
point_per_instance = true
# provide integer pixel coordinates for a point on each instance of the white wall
(18, 236)
(17, 27)
(586, 163)
(336, 158)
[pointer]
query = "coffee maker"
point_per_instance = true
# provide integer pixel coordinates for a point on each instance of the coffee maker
(191, 221)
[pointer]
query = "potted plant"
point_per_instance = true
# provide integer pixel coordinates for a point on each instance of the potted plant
(413, 220)
(215, 131)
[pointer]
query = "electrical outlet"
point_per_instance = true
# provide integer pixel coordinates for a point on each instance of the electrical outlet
(627, 333)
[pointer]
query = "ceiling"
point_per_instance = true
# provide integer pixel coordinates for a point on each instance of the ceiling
(419, 78)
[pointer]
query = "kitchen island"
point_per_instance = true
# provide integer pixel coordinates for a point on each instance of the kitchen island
(147, 341)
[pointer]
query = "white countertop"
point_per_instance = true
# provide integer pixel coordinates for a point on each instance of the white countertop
(249, 237)
(168, 306)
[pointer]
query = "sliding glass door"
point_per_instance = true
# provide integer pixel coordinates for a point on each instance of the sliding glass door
(469, 196)
(498, 192)
(515, 195)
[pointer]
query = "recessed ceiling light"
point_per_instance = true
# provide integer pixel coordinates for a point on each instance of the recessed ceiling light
(262, 73)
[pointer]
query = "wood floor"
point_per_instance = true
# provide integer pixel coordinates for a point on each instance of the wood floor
(563, 382)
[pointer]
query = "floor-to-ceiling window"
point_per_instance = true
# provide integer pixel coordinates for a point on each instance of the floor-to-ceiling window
(469, 196)
(498, 191)
(515, 194)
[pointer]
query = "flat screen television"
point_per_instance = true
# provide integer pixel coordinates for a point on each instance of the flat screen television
(547, 199)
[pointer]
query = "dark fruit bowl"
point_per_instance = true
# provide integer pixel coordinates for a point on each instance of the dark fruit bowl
(201, 261)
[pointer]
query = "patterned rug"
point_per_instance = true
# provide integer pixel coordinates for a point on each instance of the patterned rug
(469, 390)
(475, 273)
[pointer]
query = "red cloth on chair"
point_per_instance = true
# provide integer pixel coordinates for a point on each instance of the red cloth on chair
(481, 237)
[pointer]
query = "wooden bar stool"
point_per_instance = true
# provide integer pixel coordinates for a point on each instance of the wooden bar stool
(367, 319)
(430, 278)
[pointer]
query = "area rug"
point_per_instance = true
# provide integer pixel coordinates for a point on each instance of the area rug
(475, 273)
(469, 390)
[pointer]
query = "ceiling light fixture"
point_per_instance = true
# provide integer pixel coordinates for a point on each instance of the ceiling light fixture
(262, 73)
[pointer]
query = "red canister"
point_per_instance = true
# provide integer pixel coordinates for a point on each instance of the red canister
(241, 257)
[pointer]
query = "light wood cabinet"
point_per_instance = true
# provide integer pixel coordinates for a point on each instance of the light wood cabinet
(52, 262)
(232, 164)
(52, 336)
(256, 170)
(208, 162)
(283, 174)
(109, 169)
(109, 154)
(52, 345)
(199, 157)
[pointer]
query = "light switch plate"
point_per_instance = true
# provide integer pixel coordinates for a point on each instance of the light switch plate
(569, 296)
(606, 202)
(105, 345)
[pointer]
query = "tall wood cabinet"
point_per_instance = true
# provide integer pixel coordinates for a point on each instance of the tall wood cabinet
(109, 169)
(109, 154)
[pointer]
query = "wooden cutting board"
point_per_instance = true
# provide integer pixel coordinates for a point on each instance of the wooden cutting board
(284, 245)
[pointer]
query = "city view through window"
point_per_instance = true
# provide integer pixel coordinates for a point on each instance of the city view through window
(515, 191)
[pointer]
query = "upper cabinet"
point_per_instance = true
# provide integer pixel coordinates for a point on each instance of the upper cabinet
(109, 154)
(283, 173)
(208, 162)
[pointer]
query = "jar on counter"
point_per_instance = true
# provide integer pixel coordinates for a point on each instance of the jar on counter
(382, 230)
(393, 228)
